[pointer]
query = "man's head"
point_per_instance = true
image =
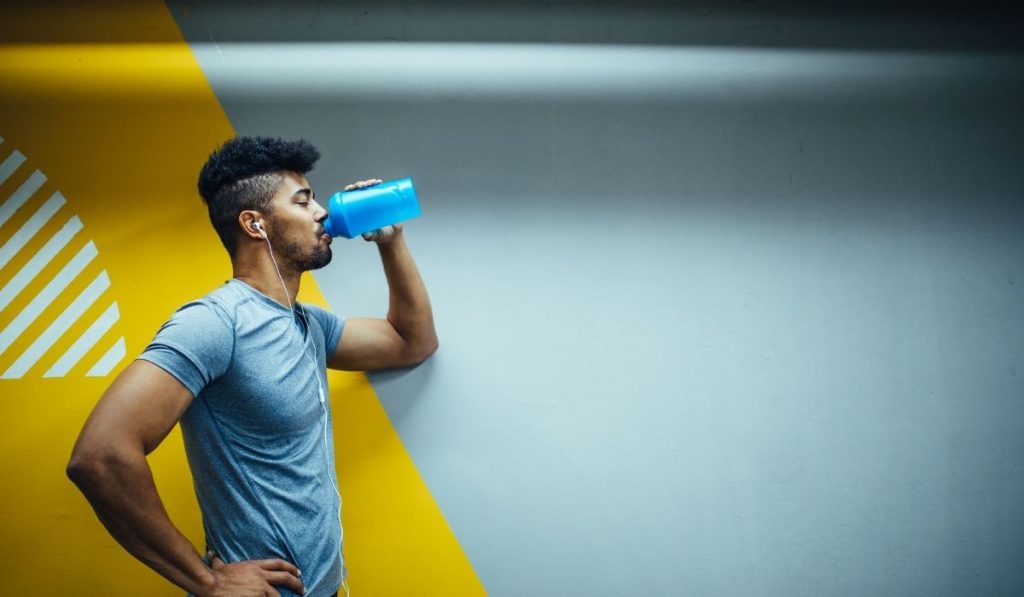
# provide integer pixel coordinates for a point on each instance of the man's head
(245, 174)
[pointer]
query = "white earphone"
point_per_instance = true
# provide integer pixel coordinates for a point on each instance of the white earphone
(316, 374)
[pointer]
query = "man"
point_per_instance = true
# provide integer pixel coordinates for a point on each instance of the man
(243, 370)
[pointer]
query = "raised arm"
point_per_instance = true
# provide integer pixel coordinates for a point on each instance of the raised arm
(108, 463)
(407, 336)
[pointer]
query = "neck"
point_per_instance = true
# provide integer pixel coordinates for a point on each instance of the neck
(257, 269)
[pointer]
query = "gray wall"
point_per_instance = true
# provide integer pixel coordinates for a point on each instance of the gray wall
(731, 298)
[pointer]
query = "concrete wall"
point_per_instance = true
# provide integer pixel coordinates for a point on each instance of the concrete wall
(731, 298)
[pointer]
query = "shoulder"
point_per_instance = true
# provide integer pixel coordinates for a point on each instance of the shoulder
(226, 298)
(212, 315)
(222, 302)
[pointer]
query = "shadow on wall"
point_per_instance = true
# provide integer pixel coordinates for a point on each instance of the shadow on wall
(405, 387)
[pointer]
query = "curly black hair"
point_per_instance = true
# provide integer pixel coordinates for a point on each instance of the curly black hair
(244, 173)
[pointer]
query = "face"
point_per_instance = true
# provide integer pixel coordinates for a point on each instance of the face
(296, 229)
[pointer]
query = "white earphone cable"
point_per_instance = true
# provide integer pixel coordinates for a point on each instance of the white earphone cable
(319, 387)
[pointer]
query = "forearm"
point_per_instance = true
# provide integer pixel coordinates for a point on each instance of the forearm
(409, 310)
(122, 492)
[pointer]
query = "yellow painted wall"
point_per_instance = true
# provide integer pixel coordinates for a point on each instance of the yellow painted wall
(112, 108)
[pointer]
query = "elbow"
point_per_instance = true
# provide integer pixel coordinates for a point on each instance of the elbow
(90, 467)
(424, 351)
(430, 348)
(81, 469)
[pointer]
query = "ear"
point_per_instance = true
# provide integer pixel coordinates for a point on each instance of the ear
(252, 225)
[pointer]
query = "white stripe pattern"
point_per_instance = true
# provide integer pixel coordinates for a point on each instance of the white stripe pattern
(108, 360)
(53, 295)
(40, 260)
(47, 295)
(10, 165)
(85, 342)
(55, 330)
(30, 228)
(20, 196)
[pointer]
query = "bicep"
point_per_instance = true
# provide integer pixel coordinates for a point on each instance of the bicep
(367, 344)
(137, 411)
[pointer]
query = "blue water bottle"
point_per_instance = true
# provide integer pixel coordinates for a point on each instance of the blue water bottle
(352, 213)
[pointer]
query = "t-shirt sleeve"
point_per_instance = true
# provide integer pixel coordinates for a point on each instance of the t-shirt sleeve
(331, 324)
(195, 345)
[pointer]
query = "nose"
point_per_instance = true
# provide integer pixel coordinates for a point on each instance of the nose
(321, 214)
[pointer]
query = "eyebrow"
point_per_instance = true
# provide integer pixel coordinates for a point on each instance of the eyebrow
(307, 192)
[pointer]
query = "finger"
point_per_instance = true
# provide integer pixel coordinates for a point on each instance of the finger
(275, 564)
(216, 563)
(287, 579)
(381, 234)
(362, 184)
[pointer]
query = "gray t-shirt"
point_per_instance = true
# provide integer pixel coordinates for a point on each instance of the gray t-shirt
(258, 436)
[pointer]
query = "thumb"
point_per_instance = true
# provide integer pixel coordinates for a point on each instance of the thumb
(215, 562)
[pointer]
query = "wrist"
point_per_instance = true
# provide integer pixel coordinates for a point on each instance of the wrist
(397, 238)
(207, 582)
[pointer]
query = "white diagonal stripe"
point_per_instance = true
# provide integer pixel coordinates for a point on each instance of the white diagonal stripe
(10, 165)
(40, 260)
(55, 330)
(47, 295)
(20, 196)
(30, 228)
(107, 361)
(85, 342)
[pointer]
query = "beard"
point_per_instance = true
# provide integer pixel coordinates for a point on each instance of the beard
(305, 260)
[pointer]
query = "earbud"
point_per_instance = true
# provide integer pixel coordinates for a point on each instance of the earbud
(257, 226)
